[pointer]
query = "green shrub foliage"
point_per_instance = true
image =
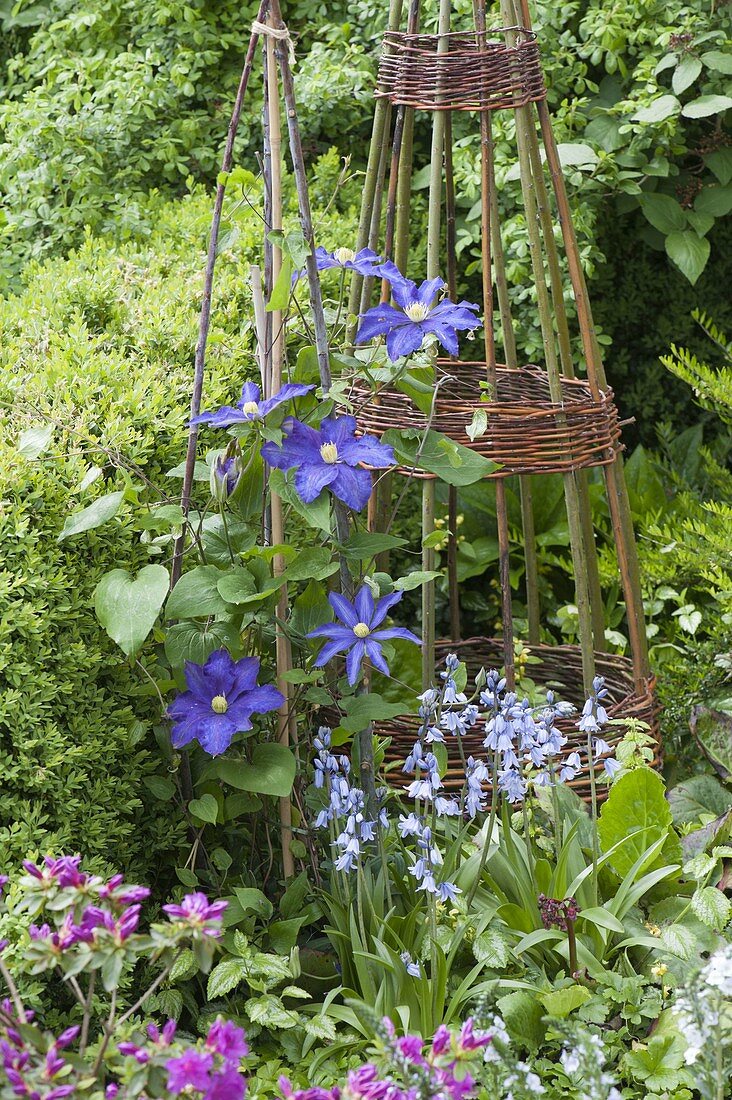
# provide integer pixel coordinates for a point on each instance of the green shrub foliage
(99, 347)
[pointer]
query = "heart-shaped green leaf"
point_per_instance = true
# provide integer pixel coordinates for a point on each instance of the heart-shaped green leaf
(204, 808)
(128, 606)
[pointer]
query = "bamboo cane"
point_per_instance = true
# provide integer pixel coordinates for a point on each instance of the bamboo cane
(286, 718)
(487, 188)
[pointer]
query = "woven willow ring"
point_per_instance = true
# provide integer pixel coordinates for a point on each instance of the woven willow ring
(562, 666)
(457, 72)
(526, 433)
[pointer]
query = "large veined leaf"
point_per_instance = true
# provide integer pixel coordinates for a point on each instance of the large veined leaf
(437, 454)
(128, 606)
(636, 808)
(689, 252)
(713, 731)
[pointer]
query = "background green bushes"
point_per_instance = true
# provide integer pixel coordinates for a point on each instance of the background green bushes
(100, 345)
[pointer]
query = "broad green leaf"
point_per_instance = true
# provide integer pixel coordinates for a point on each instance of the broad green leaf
(602, 918)
(689, 252)
(253, 900)
(272, 771)
(437, 454)
(128, 606)
(184, 966)
(492, 948)
(163, 789)
(367, 544)
(204, 808)
(310, 609)
(712, 907)
(283, 934)
(663, 212)
(280, 297)
(700, 794)
(636, 809)
(719, 162)
(522, 1014)
(685, 73)
(605, 130)
(478, 425)
(316, 514)
(196, 594)
(361, 710)
(560, 1002)
(196, 641)
(35, 440)
(719, 60)
(314, 563)
(415, 579)
(716, 201)
(94, 515)
(576, 154)
(706, 105)
(226, 976)
(660, 109)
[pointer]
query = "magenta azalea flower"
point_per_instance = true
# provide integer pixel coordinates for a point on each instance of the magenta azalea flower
(329, 458)
(228, 1040)
(228, 1084)
(223, 694)
(357, 632)
(250, 405)
(417, 316)
(192, 1069)
(196, 910)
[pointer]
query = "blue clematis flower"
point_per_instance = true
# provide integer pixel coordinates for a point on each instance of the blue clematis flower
(329, 458)
(250, 405)
(365, 262)
(357, 633)
(415, 316)
(221, 698)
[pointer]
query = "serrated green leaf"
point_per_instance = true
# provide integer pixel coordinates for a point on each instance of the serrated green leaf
(226, 976)
(561, 1002)
(269, 1011)
(636, 809)
(712, 907)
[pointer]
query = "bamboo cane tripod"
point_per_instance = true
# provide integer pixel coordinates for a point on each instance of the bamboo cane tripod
(557, 417)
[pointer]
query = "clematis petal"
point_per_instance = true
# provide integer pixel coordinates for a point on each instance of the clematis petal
(212, 678)
(364, 604)
(396, 632)
(331, 650)
(428, 291)
(384, 606)
(367, 449)
(354, 661)
(404, 339)
(289, 391)
(225, 417)
(374, 654)
(377, 322)
(444, 333)
(312, 478)
(257, 701)
(352, 485)
(332, 630)
(324, 259)
(250, 391)
(338, 430)
(403, 290)
(343, 608)
(244, 677)
(300, 444)
(216, 732)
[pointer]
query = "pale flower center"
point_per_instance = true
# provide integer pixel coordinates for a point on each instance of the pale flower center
(343, 255)
(219, 704)
(329, 453)
(361, 630)
(251, 408)
(417, 311)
